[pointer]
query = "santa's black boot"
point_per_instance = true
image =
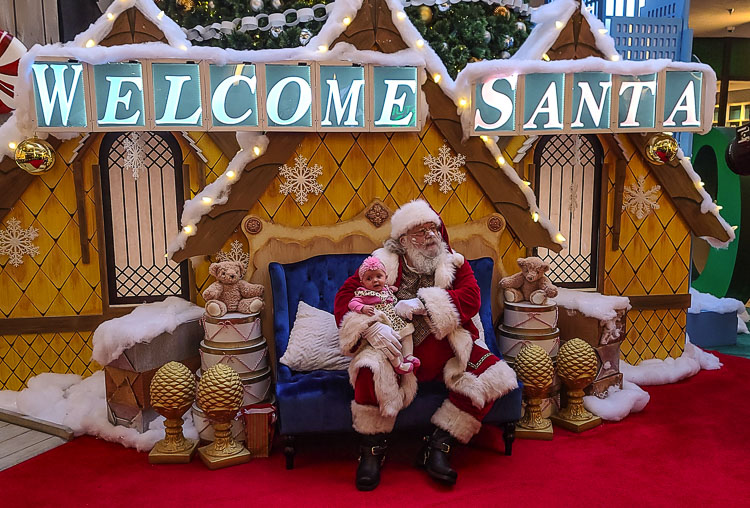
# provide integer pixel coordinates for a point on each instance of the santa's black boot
(372, 449)
(435, 456)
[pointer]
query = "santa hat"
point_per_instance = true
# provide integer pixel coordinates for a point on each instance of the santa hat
(413, 214)
(369, 264)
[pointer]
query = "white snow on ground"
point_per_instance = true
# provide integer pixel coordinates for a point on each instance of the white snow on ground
(80, 404)
(631, 399)
(146, 321)
(670, 370)
(619, 403)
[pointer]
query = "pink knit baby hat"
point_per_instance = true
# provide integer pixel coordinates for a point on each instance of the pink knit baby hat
(370, 263)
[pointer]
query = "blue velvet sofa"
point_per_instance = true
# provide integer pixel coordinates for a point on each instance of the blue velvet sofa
(320, 401)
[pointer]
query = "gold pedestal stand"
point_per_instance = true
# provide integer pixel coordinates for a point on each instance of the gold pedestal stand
(174, 448)
(172, 393)
(532, 424)
(224, 451)
(574, 416)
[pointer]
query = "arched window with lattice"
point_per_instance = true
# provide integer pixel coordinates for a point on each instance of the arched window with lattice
(142, 199)
(568, 189)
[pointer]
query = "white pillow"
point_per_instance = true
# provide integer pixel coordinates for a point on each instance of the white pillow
(314, 342)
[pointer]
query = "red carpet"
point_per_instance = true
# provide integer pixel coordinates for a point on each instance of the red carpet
(689, 447)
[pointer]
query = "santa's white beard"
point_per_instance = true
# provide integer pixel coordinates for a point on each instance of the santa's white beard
(421, 260)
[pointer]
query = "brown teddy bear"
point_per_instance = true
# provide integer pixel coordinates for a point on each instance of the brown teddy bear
(530, 284)
(230, 292)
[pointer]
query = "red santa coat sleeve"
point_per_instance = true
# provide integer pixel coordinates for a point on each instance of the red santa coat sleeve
(344, 296)
(455, 306)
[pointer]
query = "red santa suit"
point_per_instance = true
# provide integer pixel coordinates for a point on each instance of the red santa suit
(474, 377)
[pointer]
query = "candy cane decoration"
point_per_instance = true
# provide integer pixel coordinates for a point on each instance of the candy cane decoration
(11, 51)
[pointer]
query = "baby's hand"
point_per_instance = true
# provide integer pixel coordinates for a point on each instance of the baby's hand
(368, 309)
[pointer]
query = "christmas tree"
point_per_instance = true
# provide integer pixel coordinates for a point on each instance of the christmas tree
(459, 33)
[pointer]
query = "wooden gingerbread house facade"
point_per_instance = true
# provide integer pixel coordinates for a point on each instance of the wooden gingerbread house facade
(103, 235)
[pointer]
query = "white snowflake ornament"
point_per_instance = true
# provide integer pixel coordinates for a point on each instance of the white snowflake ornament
(15, 242)
(236, 253)
(444, 169)
(135, 154)
(639, 201)
(301, 179)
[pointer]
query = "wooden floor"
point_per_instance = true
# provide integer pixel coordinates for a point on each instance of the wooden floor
(18, 444)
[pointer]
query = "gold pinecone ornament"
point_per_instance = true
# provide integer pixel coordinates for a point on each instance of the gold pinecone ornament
(577, 365)
(219, 395)
(172, 393)
(534, 368)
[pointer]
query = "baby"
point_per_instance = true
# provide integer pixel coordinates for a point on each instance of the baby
(375, 296)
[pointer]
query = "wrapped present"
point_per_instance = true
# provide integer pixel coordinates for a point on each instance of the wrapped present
(260, 423)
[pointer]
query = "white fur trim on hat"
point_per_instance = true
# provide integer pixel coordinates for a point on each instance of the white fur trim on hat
(412, 214)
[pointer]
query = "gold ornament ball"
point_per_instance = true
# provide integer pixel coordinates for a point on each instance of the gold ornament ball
(661, 148)
(534, 366)
(35, 156)
(220, 389)
(425, 14)
(186, 4)
(172, 387)
(501, 10)
(576, 359)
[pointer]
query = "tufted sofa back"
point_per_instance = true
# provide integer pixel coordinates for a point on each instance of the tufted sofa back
(317, 279)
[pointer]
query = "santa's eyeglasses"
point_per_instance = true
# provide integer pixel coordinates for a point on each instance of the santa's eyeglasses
(422, 233)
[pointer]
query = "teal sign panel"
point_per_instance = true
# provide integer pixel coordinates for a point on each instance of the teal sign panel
(177, 95)
(119, 95)
(395, 95)
(234, 99)
(637, 109)
(591, 100)
(543, 102)
(342, 96)
(288, 96)
(59, 94)
(495, 104)
(682, 99)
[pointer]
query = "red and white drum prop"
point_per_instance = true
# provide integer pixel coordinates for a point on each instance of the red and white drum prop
(231, 330)
(256, 387)
(206, 430)
(525, 322)
(246, 359)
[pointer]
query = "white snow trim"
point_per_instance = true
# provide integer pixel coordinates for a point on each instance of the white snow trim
(670, 370)
(457, 423)
(547, 20)
(618, 403)
(80, 404)
(594, 305)
(707, 205)
(144, 323)
(368, 420)
(442, 313)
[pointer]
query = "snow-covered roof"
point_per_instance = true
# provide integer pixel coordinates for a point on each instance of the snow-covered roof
(550, 19)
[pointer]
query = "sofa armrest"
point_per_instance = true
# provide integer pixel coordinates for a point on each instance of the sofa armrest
(281, 317)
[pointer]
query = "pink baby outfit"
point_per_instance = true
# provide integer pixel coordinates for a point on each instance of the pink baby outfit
(383, 300)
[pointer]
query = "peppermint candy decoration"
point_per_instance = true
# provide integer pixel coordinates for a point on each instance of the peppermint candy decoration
(11, 51)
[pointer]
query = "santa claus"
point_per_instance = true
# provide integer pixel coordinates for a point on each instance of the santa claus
(438, 293)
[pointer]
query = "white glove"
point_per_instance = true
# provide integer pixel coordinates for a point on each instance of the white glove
(410, 308)
(384, 338)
